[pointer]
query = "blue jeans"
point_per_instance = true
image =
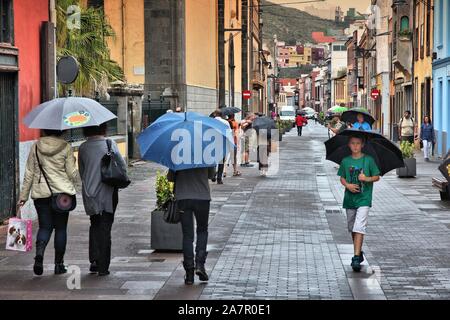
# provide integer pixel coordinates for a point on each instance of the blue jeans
(49, 220)
(199, 209)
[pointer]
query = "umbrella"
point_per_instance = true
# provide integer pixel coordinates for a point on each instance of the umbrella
(68, 113)
(188, 140)
(351, 116)
(337, 109)
(308, 110)
(263, 123)
(386, 154)
(230, 110)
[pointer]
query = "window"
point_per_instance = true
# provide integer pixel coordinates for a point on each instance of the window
(96, 3)
(6, 30)
(416, 44)
(422, 36)
(404, 24)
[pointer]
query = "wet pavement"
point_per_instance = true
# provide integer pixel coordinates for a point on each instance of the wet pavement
(277, 237)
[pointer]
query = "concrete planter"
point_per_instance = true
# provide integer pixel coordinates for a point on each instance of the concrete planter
(280, 136)
(409, 170)
(165, 236)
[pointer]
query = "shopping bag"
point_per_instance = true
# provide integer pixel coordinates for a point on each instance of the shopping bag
(19, 234)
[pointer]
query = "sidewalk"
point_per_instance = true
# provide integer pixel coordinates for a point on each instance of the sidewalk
(278, 237)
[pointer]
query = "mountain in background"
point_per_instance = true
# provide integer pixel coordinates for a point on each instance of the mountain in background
(291, 25)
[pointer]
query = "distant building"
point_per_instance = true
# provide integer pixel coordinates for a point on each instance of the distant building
(320, 37)
(338, 15)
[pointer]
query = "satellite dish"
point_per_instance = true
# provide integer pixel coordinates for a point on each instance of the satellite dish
(67, 70)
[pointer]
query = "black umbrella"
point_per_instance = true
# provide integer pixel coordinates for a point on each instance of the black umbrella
(351, 116)
(227, 111)
(386, 154)
(263, 122)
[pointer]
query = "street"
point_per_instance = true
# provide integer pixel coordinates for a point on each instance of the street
(275, 237)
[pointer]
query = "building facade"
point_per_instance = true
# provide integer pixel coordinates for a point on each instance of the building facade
(423, 58)
(338, 55)
(401, 64)
(441, 75)
(27, 57)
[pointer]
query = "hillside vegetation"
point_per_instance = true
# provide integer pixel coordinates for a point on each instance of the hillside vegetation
(291, 24)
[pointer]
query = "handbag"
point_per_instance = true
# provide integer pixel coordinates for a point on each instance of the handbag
(113, 170)
(19, 234)
(172, 213)
(60, 202)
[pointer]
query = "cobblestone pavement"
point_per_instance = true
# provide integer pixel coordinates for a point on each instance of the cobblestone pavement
(277, 237)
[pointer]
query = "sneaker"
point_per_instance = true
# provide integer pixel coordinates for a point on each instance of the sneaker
(356, 263)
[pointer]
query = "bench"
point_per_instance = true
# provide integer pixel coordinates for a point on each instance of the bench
(442, 186)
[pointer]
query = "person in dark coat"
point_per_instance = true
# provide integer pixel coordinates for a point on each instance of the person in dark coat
(194, 196)
(100, 200)
(427, 137)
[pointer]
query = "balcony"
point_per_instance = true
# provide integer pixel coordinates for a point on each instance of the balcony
(257, 80)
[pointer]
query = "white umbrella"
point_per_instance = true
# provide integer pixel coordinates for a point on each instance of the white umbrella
(68, 113)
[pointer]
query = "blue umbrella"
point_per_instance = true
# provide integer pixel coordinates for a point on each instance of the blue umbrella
(181, 141)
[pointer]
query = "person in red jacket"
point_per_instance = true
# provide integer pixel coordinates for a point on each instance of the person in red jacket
(300, 121)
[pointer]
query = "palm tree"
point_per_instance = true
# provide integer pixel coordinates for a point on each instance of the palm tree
(89, 46)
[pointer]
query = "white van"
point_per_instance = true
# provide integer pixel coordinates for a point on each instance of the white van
(287, 113)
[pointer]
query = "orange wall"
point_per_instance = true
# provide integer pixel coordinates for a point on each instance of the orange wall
(201, 43)
(127, 48)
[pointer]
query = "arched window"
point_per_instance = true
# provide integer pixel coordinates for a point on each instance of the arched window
(404, 24)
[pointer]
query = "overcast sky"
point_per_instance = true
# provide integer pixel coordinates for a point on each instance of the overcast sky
(360, 5)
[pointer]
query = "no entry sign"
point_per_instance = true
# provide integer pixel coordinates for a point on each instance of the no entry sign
(246, 94)
(374, 94)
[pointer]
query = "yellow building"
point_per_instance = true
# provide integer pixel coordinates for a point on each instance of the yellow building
(340, 91)
(423, 70)
(126, 17)
(296, 59)
(201, 44)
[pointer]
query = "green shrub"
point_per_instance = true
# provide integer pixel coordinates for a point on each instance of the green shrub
(407, 149)
(164, 190)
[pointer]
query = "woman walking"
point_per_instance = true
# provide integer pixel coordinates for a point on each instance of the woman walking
(427, 137)
(50, 169)
(100, 200)
(193, 195)
(264, 149)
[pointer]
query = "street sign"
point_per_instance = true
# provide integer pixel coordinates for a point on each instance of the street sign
(67, 69)
(246, 94)
(374, 94)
